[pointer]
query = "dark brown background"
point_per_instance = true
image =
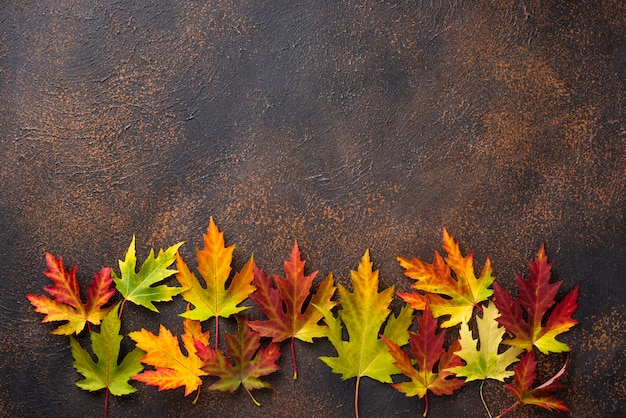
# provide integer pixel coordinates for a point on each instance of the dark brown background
(345, 125)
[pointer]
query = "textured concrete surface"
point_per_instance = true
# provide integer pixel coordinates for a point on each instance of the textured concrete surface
(344, 125)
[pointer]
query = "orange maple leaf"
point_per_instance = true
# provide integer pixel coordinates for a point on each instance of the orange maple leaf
(444, 294)
(216, 299)
(173, 369)
(67, 304)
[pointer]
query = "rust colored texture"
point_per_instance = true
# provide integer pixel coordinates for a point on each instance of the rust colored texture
(344, 125)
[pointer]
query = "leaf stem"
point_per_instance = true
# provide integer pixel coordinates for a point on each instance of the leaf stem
(293, 357)
(197, 396)
(426, 408)
(482, 398)
(106, 402)
(217, 327)
(252, 397)
(119, 315)
(356, 397)
(509, 409)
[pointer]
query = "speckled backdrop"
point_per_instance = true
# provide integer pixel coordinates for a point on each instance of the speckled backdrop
(344, 125)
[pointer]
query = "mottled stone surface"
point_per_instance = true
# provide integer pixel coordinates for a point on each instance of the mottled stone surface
(344, 125)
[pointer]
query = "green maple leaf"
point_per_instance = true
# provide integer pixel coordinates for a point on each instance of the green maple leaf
(250, 361)
(138, 287)
(364, 313)
(106, 373)
(486, 362)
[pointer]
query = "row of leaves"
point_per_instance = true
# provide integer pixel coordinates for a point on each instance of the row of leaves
(447, 289)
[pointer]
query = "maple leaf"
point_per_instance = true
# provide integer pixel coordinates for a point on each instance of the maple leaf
(283, 304)
(173, 369)
(364, 312)
(250, 361)
(486, 362)
(214, 266)
(459, 296)
(139, 287)
(106, 373)
(541, 395)
(536, 297)
(427, 350)
(67, 304)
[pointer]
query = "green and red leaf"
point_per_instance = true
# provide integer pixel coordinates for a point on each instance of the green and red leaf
(250, 361)
(428, 352)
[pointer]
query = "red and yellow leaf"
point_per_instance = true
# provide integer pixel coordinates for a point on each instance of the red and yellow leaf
(427, 350)
(249, 361)
(284, 304)
(67, 304)
(214, 262)
(173, 369)
(541, 395)
(536, 297)
(445, 294)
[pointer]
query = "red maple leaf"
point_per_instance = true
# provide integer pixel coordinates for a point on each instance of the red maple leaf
(536, 297)
(250, 361)
(541, 395)
(67, 304)
(284, 304)
(427, 350)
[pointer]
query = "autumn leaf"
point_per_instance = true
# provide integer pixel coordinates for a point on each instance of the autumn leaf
(173, 369)
(139, 287)
(364, 312)
(284, 304)
(486, 362)
(542, 394)
(216, 300)
(250, 361)
(445, 295)
(67, 304)
(536, 297)
(427, 350)
(106, 373)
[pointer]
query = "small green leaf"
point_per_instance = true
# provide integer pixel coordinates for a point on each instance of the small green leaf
(138, 287)
(106, 373)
